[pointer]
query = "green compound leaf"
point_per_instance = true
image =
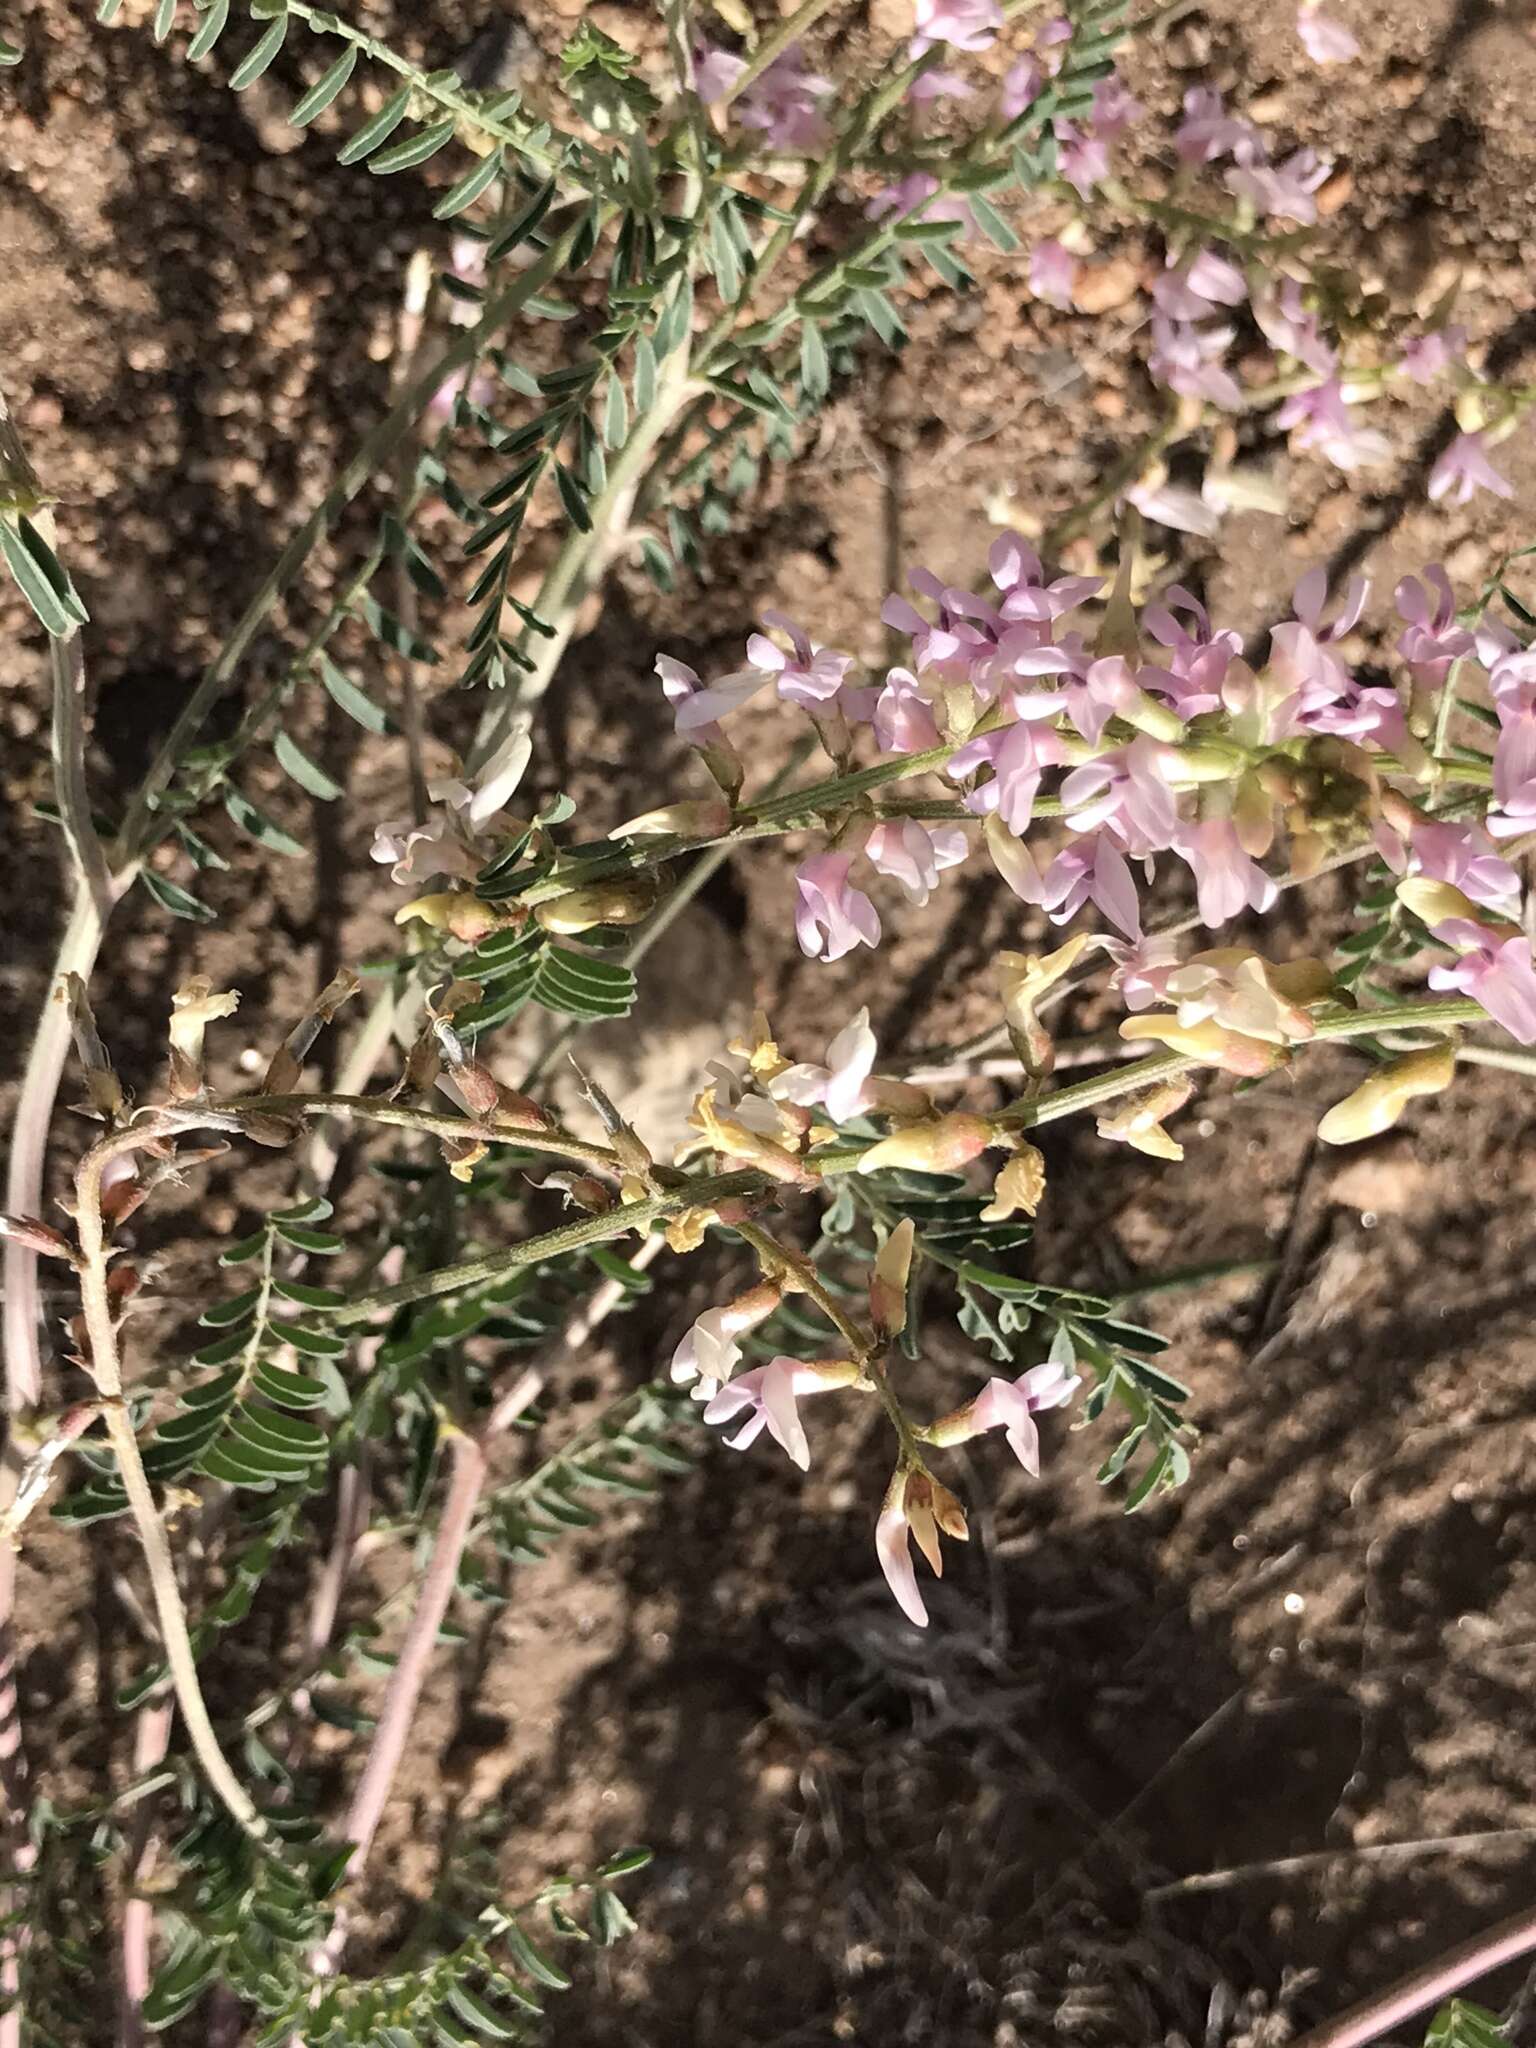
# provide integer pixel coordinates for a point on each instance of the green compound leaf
(325, 88)
(178, 901)
(308, 774)
(247, 72)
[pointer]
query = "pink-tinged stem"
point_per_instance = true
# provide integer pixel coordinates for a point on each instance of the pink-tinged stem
(29, 1138)
(354, 1501)
(152, 1734)
(1430, 1986)
(403, 1694)
(24, 1387)
(409, 1674)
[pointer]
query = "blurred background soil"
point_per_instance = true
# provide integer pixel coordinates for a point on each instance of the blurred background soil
(1325, 1644)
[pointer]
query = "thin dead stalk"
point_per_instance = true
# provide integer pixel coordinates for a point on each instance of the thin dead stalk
(1430, 1986)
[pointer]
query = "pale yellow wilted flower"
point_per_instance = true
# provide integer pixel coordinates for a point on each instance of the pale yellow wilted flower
(888, 1281)
(1139, 1120)
(1022, 979)
(1380, 1100)
(193, 1008)
(1020, 1185)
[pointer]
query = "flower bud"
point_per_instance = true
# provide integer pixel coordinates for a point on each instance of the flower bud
(1435, 902)
(1117, 632)
(1253, 817)
(938, 1147)
(617, 902)
(1203, 761)
(455, 911)
(1379, 1101)
(1012, 859)
(1150, 715)
(1212, 1044)
(702, 818)
(888, 1281)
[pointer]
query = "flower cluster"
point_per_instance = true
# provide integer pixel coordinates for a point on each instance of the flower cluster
(1163, 743)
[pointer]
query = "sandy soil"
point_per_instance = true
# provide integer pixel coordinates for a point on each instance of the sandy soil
(1324, 1644)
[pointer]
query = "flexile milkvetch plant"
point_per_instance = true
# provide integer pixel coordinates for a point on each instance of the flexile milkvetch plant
(647, 299)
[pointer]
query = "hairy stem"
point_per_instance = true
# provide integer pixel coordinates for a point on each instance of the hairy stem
(380, 1110)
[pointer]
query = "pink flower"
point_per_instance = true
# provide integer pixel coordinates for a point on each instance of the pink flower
(1193, 290)
(1018, 755)
(1115, 107)
(912, 855)
(807, 675)
(1324, 421)
(1208, 131)
(417, 850)
(769, 1396)
(1198, 658)
(680, 684)
(842, 1085)
(715, 71)
(1082, 158)
(938, 85)
(1052, 274)
(1363, 712)
(1291, 330)
(1097, 690)
(831, 916)
(1092, 869)
(949, 643)
(1142, 970)
(1019, 574)
(785, 105)
(904, 722)
(1495, 970)
(1462, 855)
(918, 1506)
(1424, 356)
(1128, 789)
(1298, 649)
(1325, 41)
(963, 24)
(1012, 1405)
(1283, 191)
(1021, 87)
(1188, 360)
(1431, 639)
(1465, 468)
(1226, 880)
(709, 1351)
(476, 391)
(1513, 680)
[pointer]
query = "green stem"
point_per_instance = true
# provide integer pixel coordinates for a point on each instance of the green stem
(436, 89)
(569, 1237)
(773, 46)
